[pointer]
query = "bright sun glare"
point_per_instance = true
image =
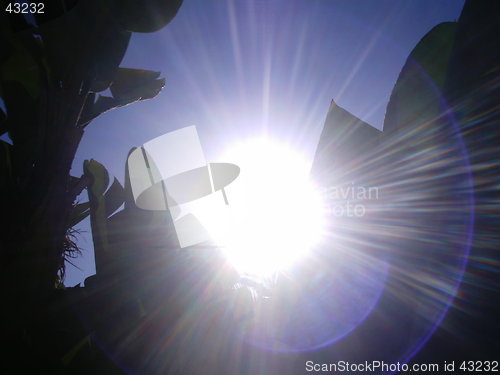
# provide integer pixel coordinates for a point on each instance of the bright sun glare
(275, 212)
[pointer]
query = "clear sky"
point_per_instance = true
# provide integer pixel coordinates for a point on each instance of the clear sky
(244, 68)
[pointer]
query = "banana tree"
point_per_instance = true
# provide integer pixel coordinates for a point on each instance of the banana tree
(53, 69)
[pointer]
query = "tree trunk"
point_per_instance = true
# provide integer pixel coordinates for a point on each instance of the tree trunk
(37, 220)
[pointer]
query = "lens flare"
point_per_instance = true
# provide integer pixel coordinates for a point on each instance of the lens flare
(275, 212)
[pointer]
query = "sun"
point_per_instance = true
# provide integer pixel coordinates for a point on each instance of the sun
(275, 212)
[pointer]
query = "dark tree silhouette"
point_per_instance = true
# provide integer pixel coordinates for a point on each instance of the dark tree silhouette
(53, 66)
(144, 309)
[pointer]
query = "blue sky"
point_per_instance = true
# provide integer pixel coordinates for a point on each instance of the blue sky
(246, 68)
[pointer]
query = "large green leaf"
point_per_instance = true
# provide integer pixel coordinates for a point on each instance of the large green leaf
(21, 56)
(475, 61)
(136, 83)
(102, 105)
(473, 91)
(107, 58)
(21, 67)
(414, 99)
(106, 103)
(98, 177)
(114, 197)
(85, 45)
(146, 16)
(101, 207)
(129, 86)
(79, 213)
(343, 145)
(87, 110)
(55, 9)
(20, 76)
(433, 52)
(14, 35)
